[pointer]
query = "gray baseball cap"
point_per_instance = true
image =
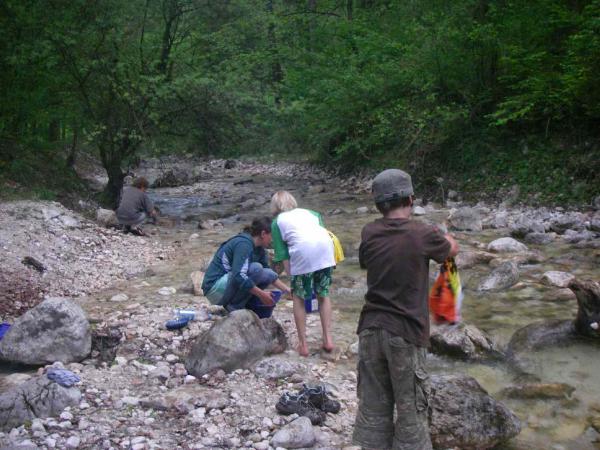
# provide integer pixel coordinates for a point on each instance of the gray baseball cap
(391, 184)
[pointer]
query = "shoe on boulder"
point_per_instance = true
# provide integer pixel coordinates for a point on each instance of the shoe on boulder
(298, 404)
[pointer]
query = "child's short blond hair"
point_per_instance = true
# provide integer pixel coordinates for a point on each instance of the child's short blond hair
(282, 201)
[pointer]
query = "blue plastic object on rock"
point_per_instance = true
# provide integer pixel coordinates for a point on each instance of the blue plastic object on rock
(63, 377)
(176, 324)
(3, 329)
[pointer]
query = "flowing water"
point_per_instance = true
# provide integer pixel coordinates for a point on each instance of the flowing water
(556, 424)
(547, 424)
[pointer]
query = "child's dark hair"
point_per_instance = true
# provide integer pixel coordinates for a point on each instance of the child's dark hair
(386, 207)
(258, 225)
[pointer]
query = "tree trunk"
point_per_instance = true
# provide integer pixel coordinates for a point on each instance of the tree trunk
(73, 150)
(54, 130)
(112, 191)
(349, 9)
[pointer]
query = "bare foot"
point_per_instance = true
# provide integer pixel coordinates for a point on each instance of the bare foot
(302, 349)
(328, 347)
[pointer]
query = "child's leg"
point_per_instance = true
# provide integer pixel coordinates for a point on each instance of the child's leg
(300, 319)
(325, 313)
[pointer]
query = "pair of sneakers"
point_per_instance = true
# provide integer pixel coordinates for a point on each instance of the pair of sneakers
(311, 401)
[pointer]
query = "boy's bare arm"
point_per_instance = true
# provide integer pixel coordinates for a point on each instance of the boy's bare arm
(453, 245)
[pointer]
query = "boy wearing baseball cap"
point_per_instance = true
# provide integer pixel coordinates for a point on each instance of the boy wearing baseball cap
(393, 327)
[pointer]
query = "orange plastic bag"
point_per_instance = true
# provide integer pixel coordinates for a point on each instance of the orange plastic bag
(445, 298)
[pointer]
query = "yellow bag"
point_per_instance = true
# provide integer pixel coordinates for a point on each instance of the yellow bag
(338, 251)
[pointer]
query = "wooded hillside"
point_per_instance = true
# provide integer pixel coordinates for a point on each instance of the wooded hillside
(480, 93)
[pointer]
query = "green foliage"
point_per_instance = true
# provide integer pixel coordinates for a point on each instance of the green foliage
(432, 86)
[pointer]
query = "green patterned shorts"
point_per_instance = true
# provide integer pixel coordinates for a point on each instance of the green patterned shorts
(319, 281)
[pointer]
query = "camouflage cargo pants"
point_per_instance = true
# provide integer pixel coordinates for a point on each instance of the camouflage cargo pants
(391, 373)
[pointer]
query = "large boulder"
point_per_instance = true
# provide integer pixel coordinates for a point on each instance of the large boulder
(468, 259)
(462, 341)
(502, 277)
(587, 322)
(106, 217)
(466, 219)
(36, 398)
(296, 434)
(464, 416)
(569, 221)
(524, 225)
(55, 330)
(557, 278)
(236, 341)
(506, 245)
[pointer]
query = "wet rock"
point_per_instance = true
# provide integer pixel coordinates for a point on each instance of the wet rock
(466, 219)
(502, 277)
(106, 217)
(559, 295)
(468, 259)
(572, 221)
(539, 335)
(538, 391)
(539, 238)
(275, 368)
(210, 224)
(506, 245)
(55, 330)
(573, 237)
(37, 398)
(587, 322)
(173, 178)
(524, 225)
(237, 341)
(462, 341)
(557, 278)
(297, 434)
(464, 416)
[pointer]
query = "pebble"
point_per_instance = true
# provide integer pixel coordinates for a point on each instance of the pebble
(73, 442)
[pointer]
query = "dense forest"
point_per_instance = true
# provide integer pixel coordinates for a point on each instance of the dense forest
(476, 94)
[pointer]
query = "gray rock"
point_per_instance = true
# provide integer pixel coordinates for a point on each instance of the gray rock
(275, 368)
(557, 278)
(539, 238)
(106, 217)
(237, 341)
(524, 225)
(419, 211)
(499, 220)
(464, 416)
(595, 222)
(37, 398)
(596, 203)
(462, 341)
(574, 237)
(502, 277)
(362, 210)
(55, 330)
(571, 221)
(466, 219)
(297, 434)
(506, 245)
(466, 260)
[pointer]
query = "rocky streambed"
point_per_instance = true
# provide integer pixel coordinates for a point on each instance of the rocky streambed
(136, 390)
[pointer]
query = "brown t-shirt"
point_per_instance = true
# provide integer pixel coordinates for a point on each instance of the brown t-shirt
(396, 254)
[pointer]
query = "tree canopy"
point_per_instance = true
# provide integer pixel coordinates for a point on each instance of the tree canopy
(471, 90)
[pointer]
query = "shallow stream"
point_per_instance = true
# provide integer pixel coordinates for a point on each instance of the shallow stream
(547, 424)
